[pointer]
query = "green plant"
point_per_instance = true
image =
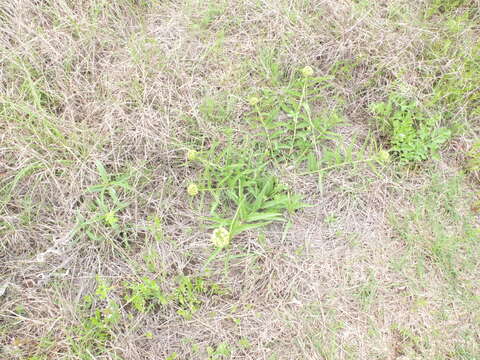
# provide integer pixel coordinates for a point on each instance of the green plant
(244, 343)
(106, 205)
(172, 356)
(244, 195)
(414, 136)
(473, 160)
(221, 351)
(96, 327)
(239, 174)
(291, 129)
(443, 6)
(103, 288)
(189, 292)
(145, 295)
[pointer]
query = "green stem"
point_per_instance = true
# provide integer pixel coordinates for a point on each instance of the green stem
(335, 166)
(211, 258)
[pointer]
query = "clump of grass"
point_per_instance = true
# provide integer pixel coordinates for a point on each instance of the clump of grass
(440, 7)
(438, 230)
(473, 160)
(100, 314)
(292, 130)
(454, 67)
(112, 82)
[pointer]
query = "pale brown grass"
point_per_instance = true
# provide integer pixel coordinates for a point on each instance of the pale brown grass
(123, 85)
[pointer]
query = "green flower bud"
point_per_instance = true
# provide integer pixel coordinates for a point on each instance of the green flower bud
(192, 189)
(307, 71)
(220, 237)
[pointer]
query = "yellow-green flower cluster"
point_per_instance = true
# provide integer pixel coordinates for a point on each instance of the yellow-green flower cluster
(253, 100)
(192, 189)
(192, 155)
(220, 238)
(383, 156)
(307, 71)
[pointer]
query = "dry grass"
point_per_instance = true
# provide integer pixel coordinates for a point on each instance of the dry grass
(384, 264)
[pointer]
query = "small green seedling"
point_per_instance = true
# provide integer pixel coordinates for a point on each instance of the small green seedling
(189, 293)
(221, 351)
(145, 295)
(97, 326)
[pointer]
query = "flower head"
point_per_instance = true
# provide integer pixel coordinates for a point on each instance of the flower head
(192, 189)
(220, 237)
(307, 71)
(192, 155)
(253, 100)
(383, 156)
(111, 218)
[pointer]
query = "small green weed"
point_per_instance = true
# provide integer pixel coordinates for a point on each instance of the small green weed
(145, 295)
(414, 136)
(90, 337)
(98, 325)
(172, 356)
(244, 343)
(106, 205)
(221, 351)
(189, 292)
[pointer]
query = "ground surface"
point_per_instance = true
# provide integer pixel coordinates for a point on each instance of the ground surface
(271, 179)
